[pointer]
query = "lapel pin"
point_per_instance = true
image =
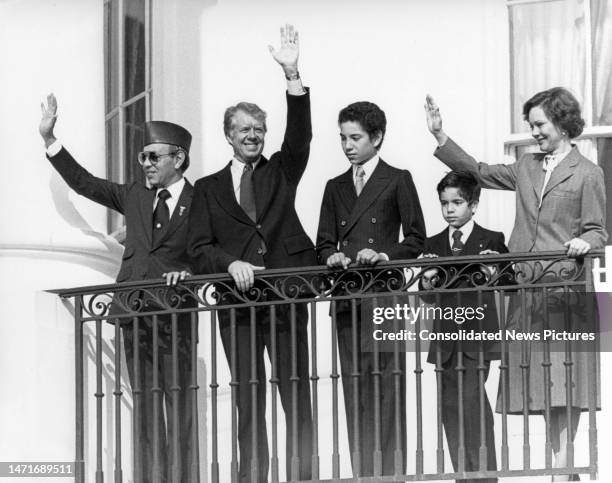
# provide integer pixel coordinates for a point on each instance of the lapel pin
(182, 210)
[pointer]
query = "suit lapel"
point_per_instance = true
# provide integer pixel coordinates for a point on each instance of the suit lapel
(145, 206)
(224, 192)
(474, 244)
(264, 181)
(346, 190)
(536, 174)
(564, 170)
(378, 181)
(179, 215)
(441, 244)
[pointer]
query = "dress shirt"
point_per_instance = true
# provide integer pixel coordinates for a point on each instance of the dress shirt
(466, 231)
(551, 161)
(175, 190)
(237, 168)
(368, 168)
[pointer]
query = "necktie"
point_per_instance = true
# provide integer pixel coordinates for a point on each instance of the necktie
(550, 163)
(359, 182)
(247, 191)
(457, 247)
(161, 215)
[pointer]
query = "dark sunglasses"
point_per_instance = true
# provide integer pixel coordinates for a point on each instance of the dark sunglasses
(152, 157)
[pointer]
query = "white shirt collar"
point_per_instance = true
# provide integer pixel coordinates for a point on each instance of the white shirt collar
(237, 168)
(551, 161)
(174, 189)
(368, 167)
(237, 164)
(466, 231)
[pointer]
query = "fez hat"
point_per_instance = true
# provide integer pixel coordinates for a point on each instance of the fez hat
(166, 133)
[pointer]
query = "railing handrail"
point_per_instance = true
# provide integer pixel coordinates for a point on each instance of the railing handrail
(287, 272)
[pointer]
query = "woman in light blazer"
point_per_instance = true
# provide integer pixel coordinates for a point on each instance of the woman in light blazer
(560, 205)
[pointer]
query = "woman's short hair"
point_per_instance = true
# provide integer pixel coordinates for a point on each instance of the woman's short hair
(561, 107)
(247, 107)
(369, 116)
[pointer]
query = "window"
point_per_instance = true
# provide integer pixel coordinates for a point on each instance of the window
(127, 71)
(564, 43)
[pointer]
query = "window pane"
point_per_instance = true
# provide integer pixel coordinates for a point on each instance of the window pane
(601, 22)
(134, 140)
(134, 61)
(548, 49)
(111, 55)
(604, 159)
(529, 148)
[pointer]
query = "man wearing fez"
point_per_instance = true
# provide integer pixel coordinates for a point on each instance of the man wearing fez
(156, 229)
(243, 219)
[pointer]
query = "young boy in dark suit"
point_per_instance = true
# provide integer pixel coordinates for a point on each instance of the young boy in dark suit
(459, 193)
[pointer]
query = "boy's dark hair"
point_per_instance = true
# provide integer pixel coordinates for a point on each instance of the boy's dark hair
(467, 184)
(371, 118)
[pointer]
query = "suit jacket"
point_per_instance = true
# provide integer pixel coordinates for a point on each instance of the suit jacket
(480, 239)
(387, 205)
(141, 259)
(220, 232)
(573, 205)
(389, 202)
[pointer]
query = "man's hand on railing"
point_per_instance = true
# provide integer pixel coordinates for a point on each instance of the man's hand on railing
(338, 260)
(172, 278)
(367, 256)
(577, 247)
(243, 274)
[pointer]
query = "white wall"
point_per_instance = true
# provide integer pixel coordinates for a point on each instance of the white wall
(50, 237)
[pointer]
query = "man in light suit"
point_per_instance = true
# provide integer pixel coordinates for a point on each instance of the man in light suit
(362, 214)
(156, 223)
(243, 219)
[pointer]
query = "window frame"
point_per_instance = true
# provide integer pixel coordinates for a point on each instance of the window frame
(591, 132)
(114, 71)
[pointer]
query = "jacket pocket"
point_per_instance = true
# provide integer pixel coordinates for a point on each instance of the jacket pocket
(298, 243)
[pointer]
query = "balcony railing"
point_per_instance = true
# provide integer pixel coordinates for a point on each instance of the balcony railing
(520, 280)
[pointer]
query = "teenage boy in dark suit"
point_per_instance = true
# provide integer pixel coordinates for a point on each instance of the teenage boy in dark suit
(459, 193)
(362, 214)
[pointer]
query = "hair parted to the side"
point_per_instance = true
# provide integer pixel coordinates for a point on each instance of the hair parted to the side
(247, 107)
(466, 183)
(371, 118)
(561, 107)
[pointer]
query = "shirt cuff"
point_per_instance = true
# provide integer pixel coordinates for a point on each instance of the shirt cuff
(295, 87)
(385, 256)
(55, 148)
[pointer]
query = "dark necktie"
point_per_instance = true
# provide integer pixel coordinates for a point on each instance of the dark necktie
(247, 191)
(161, 215)
(457, 247)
